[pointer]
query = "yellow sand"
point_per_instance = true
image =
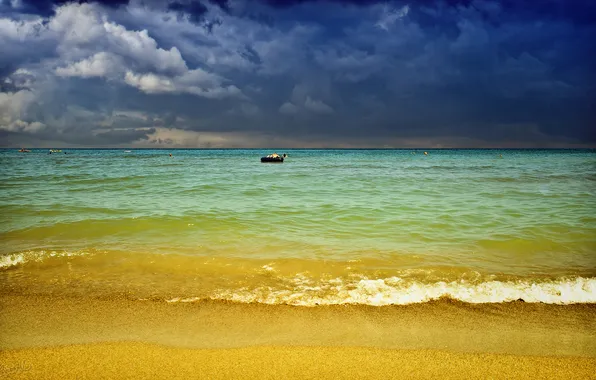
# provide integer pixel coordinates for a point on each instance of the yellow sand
(145, 361)
(71, 338)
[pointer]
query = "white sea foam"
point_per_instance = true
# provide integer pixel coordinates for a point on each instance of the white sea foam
(268, 268)
(11, 260)
(395, 291)
(15, 259)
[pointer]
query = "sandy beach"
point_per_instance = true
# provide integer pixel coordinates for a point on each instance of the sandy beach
(50, 337)
(147, 361)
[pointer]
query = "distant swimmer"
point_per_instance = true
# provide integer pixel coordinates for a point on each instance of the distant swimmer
(426, 153)
(500, 155)
(170, 154)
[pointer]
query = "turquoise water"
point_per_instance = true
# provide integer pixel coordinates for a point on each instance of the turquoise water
(218, 223)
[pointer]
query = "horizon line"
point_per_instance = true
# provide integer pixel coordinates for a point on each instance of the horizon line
(298, 148)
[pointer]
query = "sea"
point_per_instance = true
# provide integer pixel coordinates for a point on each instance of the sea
(325, 227)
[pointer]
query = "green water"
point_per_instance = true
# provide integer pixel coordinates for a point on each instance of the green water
(365, 215)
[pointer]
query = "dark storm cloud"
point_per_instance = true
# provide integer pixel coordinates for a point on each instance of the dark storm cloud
(577, 10)
(194, 9)
(46, 7)
(291, 3)
(223, 4)
(7, 66)
(302, 73)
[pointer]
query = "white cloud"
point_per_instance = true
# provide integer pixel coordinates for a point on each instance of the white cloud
(142, 50)
(13, 109)
(129, 56)
(23, 126)
(288, 108)
(311, 105)
(77, 26)
(20, 30)
(196, 82)
(149, 83)
(82, 30)
(21, 79)
(13, 105)
(317, 106)
(390, 15)
(101, 64)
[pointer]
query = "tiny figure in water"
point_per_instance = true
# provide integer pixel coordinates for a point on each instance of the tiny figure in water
(170, 154)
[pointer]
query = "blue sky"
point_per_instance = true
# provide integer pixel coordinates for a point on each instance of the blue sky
(270, 73)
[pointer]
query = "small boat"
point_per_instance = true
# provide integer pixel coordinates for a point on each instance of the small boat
(55, 151)
(274, 158)
(23, 150)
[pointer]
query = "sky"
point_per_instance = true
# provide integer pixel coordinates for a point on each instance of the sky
(298, 73)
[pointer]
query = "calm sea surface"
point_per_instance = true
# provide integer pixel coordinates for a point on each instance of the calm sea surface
(326, 226)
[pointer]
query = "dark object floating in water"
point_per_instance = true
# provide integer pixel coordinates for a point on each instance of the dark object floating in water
(274, 158)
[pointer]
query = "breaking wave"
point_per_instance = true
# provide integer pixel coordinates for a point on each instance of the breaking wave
(16, 259)
(396, 291)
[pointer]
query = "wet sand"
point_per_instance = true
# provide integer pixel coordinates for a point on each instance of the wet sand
(61, 337)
